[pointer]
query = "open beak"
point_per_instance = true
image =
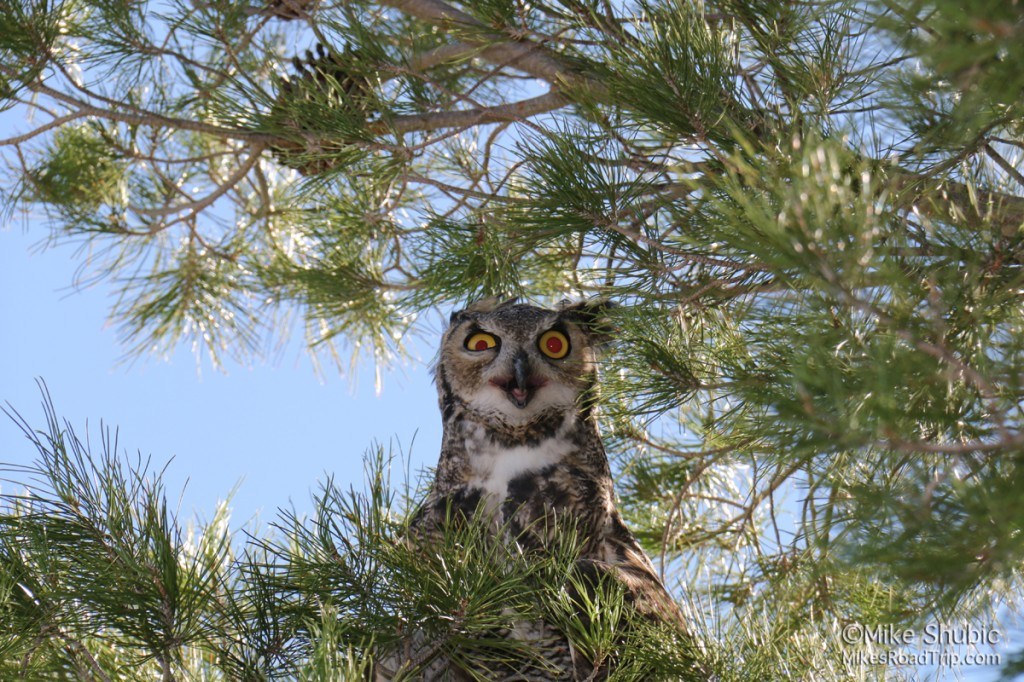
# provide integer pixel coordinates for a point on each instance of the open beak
(520, 387)
(520, 391)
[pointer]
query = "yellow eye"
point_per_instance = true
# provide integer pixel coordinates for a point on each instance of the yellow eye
(480, 341)
(554, 344)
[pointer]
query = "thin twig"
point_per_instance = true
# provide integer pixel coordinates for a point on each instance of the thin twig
(194, 207)
(57, 122)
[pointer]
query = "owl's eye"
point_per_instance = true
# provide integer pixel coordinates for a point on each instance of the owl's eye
(554, 344)
(480, 341)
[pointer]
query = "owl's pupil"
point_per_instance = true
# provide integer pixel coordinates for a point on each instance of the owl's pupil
(554, 345)
(480, 345)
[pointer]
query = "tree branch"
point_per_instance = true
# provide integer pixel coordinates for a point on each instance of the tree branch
(912, 189)
(194, 207)
(55, 123)
(467, 118)
(915, 190)
(540, 62)
(152, 119)
(452, 52)
(495, 47)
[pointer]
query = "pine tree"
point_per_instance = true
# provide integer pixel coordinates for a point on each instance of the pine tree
(810, 212)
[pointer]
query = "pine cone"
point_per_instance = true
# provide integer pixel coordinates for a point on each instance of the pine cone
(324, 79)
(286, 10)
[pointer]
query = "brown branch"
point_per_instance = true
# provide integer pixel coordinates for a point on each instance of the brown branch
(922, 192)
(445, 54)
(913, 189)
(1007, 167)
(535, 60)
(152, 119)
(932, 197)
(496, 47)
(194, 207)
(744, 518)
(939, 199)
(1007, 442)
(513, 111)
(55, 123)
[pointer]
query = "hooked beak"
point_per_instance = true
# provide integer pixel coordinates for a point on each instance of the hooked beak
(521, 386)
(521, 371)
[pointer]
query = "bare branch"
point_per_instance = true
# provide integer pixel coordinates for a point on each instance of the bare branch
(55, 123)
(513, 111)
(445, 54)
(1007, 443)
(1007, 167)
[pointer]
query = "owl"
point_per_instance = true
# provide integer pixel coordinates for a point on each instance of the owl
(517, 392)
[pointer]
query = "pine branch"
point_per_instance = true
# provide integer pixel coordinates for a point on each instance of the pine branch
(912, 187)
(534, 59)
(137, 116)
(922, 192)
(525, 55)
(194, 207)
(468, 118)
(35, 132)
(446, 54)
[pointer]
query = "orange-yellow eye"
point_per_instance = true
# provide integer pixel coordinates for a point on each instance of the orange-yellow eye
(480, 341)
(554, 344)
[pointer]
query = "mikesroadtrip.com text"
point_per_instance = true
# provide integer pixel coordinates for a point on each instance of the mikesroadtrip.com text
(918, 659)
(932, 645)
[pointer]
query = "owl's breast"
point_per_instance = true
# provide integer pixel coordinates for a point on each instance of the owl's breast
(527, 482)
(493, 466)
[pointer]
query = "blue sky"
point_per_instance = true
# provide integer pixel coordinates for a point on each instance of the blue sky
(273, 428)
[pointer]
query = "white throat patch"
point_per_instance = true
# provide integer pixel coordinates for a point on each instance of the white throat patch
(494, 466)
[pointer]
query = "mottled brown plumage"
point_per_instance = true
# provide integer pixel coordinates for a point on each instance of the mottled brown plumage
(516, 386)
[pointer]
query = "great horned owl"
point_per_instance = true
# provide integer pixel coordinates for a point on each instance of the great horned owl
(516, 386)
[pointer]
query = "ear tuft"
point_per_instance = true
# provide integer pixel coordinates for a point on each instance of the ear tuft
(593, 316)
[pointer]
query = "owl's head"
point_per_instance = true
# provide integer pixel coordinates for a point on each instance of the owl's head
(513, 361)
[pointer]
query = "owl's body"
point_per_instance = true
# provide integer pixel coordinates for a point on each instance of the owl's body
(516, 387)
